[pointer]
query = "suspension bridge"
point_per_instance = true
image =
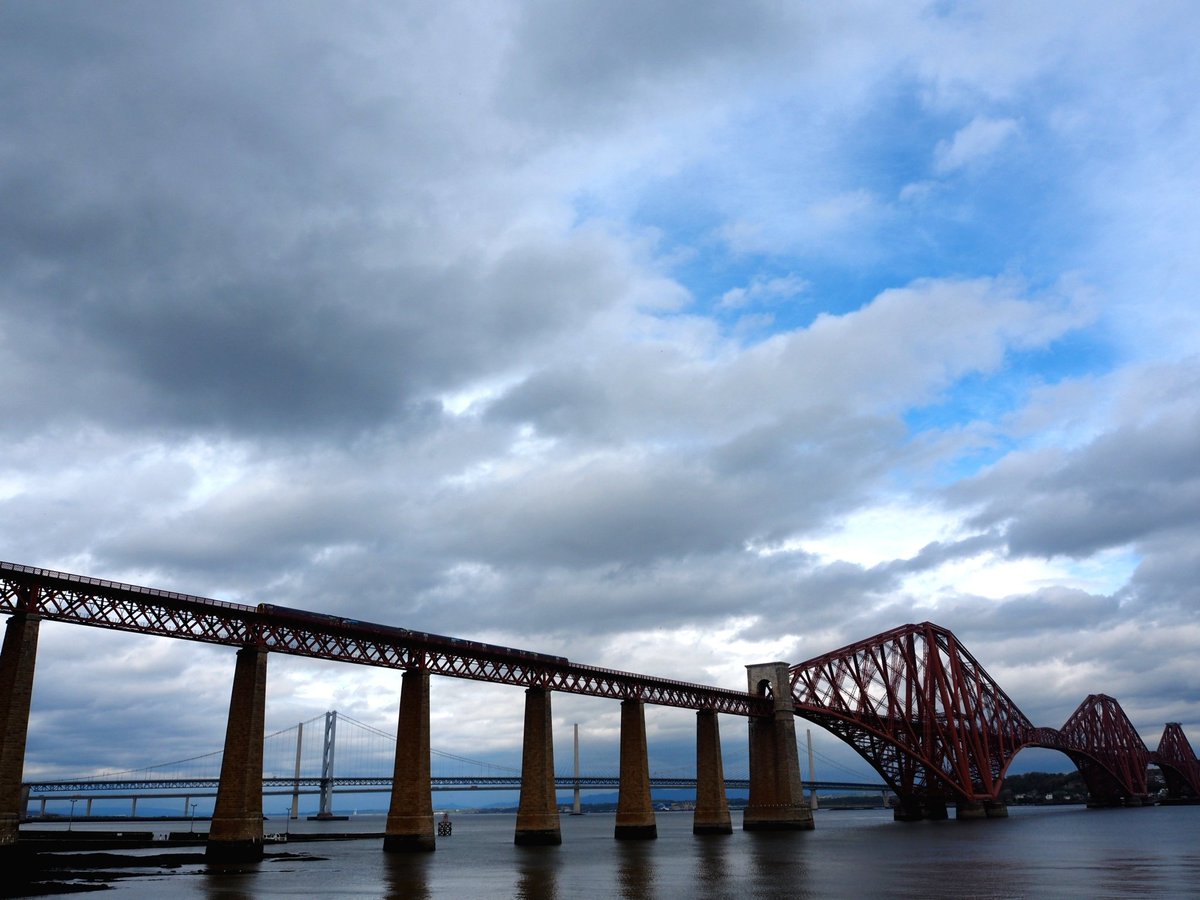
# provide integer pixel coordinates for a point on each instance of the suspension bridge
(299, 761)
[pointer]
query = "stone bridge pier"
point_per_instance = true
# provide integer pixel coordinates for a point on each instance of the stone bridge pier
(410, 814)
(712, 805)
(16, 691)
(776, 793)
(537, 815)
(635, 812)
(236, 831)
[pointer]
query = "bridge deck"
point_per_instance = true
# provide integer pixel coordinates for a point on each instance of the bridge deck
(65, 597)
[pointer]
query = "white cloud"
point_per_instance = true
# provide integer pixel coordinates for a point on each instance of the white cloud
(764, 290)
(972, 144)
(780, 225)
(878, 533)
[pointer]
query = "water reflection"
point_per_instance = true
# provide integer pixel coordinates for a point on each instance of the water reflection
(1126, 876)
(224, 892)
(1055, 854)
(407, 876)
(537, 873)
(635, 869)
(230, 881)
(777, 864)
(981, 878)
(713, 879)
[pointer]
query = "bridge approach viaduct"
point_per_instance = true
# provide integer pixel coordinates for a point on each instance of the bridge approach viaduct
(915, 704)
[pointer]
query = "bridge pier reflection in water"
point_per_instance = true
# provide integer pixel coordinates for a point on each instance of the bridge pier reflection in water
(912, 701)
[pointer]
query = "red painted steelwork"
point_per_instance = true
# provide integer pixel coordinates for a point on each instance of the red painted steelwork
(1107, 749)
(107, 604)
(912, 700)
(919, 708)
(1180, 768)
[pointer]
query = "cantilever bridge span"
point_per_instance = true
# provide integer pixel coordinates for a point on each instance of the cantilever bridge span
(912, 701)
(930, 719)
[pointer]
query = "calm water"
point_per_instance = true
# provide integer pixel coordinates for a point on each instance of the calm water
(1038, 852)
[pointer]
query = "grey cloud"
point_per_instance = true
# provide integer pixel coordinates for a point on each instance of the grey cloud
(582, 62)
(246, 251)
(84, 680)
(633, 507)
(292, 350)
(939, 552)
(1165, 582)
(1126, 485)
(631, 512)
(755, 450)
(848, 601)
(1052, 609)
(260, 528)
(65, 510)
(560, 402)
(561, 604)
(244, 248)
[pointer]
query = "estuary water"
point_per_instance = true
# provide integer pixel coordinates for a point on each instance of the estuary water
(1053, 852)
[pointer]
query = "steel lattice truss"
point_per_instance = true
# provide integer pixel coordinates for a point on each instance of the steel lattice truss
(919, 708)
(1107, 749)
(1177, 760)
(64, 597)
(912, 701)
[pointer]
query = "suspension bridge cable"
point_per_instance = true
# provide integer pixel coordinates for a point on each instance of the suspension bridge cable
(180, 762)
(440, 753)
(832, 762)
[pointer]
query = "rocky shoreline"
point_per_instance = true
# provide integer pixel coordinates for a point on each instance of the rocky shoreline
(42, 873)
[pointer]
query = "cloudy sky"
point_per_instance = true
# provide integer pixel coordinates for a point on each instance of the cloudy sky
(669, 336)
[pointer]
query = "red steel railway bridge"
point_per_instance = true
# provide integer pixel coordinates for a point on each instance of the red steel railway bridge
(912, 701)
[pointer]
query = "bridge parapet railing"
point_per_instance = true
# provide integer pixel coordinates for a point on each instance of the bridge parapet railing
(54, 575)
(117, 605)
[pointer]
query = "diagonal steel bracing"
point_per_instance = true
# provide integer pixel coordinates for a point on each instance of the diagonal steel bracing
(64, 597)
(1180, 768)
(918, 707)
(912, 701)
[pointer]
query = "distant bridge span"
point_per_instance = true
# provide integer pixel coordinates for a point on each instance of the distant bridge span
(369, 783)
(912, 701)
(186, 789)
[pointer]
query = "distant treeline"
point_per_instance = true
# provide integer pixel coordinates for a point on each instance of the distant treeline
(1037, 785)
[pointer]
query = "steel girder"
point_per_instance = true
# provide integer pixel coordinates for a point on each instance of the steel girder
(912, 700)
(1106, 747)
(64, 597)
(923, 712)
(1177, 760)
(919, 708)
